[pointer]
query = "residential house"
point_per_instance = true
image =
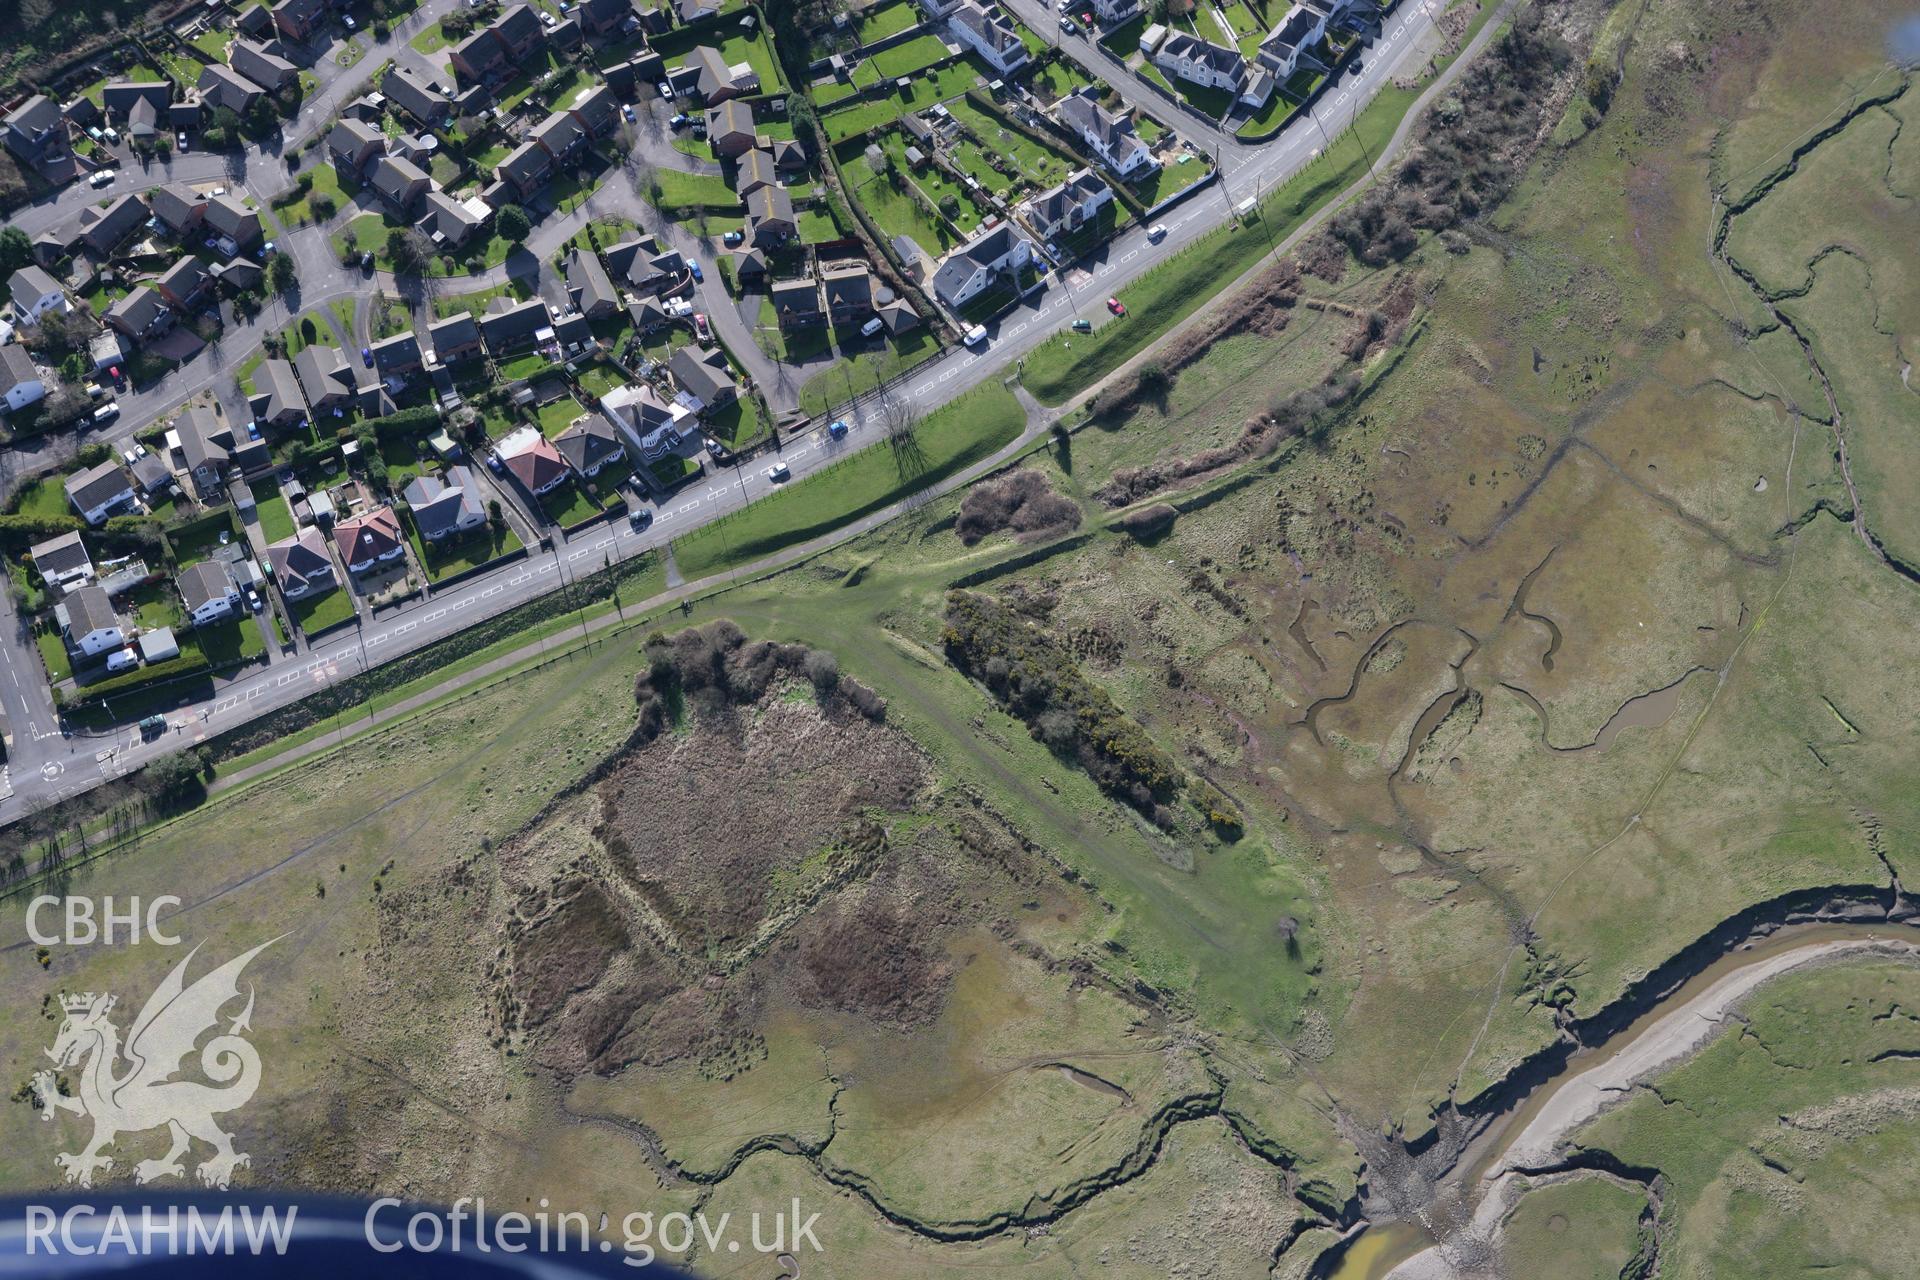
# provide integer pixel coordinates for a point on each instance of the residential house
(704, 374)
(232, 221)
(1295, 36)
(655, 19)
(90, 624)
(1065, 209)
(184, 115)
(652, 427)
(21, 383)
(589, 285)
(796, 302)
(597, 108)
(255, 20)
(646, 314)
(262, 64)
(144, 120)
(533, 461)
(450, 223)
(399, 183)
(573, 332)
(525, 169)
(751, 265)
(770, 219)
(414, 95)
(396, 356)
(36, 131)
(899, 316)
(276, 400)
(1112, 13)
(299, 20)
(789, 155)
(325, 375)
(643, 264)
(972, 266)
(185, 283)
(480, 57)
(939, 8)
(99, 491)
(992, 37)
(454, 339)
(35, 292)
(730, 128)
(500, 47)
(756, 170)
(207, 590)
(142, 315)
(351, 144)
(206, 449)
(1179, 53)
(412, 146)
(589, 443)
(513, 326)
(1109, 135)
(81, 112)
(179, 208)
(222, 86)
(848, 288)
(370, 540)
(716, 79)
(238, 274)
(62, 562)
(447, 507)
(300, 564)
(118, 98)
(103, 230)
(150, 473)
(559, 135)
(604, 17)
(519, 32)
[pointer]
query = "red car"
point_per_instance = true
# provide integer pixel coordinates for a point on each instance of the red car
(1116, 306)
(701, 329)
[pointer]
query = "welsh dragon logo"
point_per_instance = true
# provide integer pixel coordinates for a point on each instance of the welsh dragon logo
(143, 1094)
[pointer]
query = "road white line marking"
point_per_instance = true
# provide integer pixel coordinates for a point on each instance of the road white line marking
(493, 590)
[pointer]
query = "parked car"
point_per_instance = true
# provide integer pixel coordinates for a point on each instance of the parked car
(101, 177)
(348, 19)
(254, 602)
(871, 327)
(837, 429)
(1066, 25)
(1082, 326)
(1116, 306)
(699, 276)
(366, 356)
(493, 461)
(153, 726)
(666, 91)
(1157, 232)
(640, 518)
(95, 391)
(779, 473)
(106, 413)
(113, 135)
(701, 329)
(732, 238)
(679, 120)
(626, 109)
(180, 140)
(976, 336)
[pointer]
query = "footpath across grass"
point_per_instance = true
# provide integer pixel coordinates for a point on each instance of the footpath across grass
(952, 438)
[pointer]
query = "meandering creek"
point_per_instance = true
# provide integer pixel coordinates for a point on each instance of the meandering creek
(1532, 1134)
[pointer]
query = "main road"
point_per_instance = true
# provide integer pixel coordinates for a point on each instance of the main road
(49, 764)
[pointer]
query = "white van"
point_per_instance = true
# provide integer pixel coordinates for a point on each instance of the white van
(123, 660)
(870, 328)
(976, 336)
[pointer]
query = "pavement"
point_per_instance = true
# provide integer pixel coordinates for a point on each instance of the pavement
(47, 764)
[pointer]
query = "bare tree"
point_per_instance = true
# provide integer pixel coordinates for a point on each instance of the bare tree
(901, 422)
